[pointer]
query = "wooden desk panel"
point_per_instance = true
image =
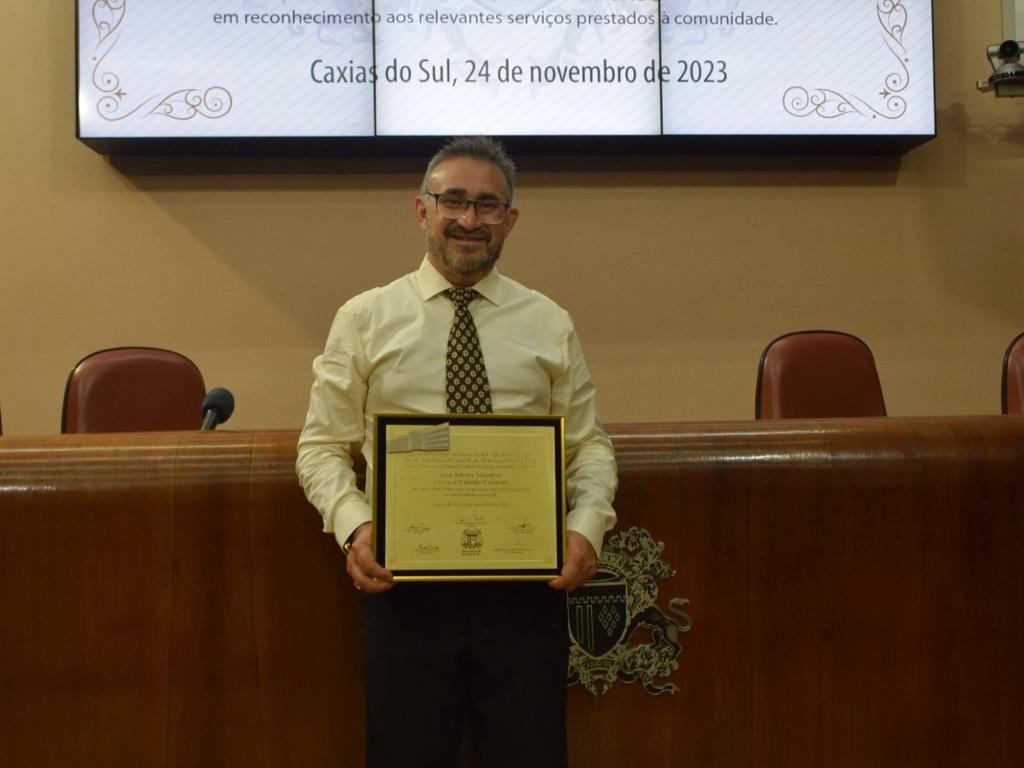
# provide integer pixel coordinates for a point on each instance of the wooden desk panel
(168, 599)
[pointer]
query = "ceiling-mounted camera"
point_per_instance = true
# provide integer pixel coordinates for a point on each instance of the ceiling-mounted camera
(1007, 77)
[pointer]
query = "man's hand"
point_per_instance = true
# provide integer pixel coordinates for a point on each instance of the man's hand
(367, 574)
(580, 563)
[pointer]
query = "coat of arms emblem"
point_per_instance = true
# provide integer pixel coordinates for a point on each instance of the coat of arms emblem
(605, 614)
(472, 540)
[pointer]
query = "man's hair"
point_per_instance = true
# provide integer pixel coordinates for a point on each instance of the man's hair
(481, 148)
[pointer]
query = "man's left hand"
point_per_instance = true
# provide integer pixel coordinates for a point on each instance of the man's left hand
(580, 563)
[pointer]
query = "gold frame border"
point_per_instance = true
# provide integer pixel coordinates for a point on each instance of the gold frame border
(428, 419)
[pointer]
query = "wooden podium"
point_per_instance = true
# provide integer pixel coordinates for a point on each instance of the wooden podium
(169, 599)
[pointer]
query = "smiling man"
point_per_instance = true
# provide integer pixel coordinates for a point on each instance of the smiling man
(465, 234)
(488, 657)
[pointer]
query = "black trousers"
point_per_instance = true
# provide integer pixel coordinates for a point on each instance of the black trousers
(488, 657)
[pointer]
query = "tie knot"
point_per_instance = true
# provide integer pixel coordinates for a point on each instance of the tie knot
(461, 296)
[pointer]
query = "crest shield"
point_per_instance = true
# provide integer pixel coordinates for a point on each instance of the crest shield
(618, 632)
(597, 613)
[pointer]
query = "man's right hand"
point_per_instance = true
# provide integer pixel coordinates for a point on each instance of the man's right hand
(367, 574)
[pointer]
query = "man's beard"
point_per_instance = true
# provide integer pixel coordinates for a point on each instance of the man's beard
(462, 266)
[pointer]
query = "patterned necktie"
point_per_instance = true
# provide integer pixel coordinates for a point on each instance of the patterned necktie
(466, 377)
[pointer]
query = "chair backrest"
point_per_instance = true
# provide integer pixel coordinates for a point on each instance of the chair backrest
(817, 374)
(133, 389)
(1013, 377)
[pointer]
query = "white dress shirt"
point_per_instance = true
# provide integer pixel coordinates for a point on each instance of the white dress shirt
(386, 354)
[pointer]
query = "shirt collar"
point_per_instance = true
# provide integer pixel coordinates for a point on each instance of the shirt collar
(433, 282)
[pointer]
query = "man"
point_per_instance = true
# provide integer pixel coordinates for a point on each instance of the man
(438, 657)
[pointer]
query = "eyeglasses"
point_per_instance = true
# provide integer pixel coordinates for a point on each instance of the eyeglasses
(453, 206)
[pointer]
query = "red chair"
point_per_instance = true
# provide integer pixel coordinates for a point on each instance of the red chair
(815, 375)
(133, 389)
(1013, 377)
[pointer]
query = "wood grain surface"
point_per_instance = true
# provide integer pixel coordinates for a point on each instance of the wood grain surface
(169, 599)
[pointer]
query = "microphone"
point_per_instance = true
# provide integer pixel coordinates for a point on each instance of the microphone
(218, 405)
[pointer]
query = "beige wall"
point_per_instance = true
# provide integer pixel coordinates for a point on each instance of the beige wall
(677, 271)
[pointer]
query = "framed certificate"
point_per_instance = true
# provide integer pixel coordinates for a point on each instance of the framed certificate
(469, 497)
